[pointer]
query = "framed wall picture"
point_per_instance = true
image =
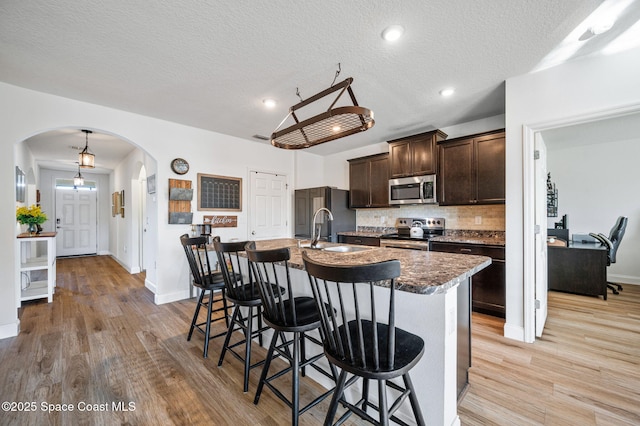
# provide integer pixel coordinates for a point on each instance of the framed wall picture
(151, 184)
(21, 185)
(219, 193)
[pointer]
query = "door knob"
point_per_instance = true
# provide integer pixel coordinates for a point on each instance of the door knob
(253, 232)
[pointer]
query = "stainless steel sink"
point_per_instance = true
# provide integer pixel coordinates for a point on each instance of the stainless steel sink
(345, 249)
(337, 249)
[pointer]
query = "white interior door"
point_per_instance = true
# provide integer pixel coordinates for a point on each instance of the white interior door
(269, 216)
(76, 222)
(541, 234)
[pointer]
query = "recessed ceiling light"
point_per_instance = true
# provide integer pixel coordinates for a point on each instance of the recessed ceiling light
(392, 32)
(601, 27)
(447, 92)
(269, 103)
(336, 129)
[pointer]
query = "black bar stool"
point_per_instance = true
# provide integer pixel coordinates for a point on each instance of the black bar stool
(356, 342)
(207, 281)
(242, 291)
(287, 315)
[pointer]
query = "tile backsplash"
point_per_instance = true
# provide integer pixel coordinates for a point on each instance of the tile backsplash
(491, 217)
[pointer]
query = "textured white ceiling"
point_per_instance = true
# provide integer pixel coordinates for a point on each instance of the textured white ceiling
(210, 64)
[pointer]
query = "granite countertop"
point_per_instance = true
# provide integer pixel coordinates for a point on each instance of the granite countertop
(492, 238)
(374, 234)
(471, 239)
(422, 272)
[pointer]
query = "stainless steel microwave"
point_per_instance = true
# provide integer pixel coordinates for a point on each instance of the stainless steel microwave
(413, 190)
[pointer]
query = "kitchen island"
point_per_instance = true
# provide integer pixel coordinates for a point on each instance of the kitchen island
(427, 304)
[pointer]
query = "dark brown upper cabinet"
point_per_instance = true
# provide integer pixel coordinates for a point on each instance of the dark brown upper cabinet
(472, 170)
(414, 155)
(369, 181)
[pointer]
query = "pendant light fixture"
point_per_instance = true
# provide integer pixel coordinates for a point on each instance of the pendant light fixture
(78, 180)
(85, 158)
(335, 123)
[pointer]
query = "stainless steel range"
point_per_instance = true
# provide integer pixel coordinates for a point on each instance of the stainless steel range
(416, 238)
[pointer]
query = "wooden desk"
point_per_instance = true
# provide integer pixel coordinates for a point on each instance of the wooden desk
(580, 268)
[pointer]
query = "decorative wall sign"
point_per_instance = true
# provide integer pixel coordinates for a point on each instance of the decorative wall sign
(221, 221)
(180, 209)
(115, 204)
(219, 193)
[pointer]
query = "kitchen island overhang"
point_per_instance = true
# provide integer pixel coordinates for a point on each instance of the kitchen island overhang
(427, 299)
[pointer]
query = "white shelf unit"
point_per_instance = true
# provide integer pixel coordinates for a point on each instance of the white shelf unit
(37, 266)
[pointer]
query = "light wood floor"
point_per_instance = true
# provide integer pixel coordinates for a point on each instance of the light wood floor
(103, 340)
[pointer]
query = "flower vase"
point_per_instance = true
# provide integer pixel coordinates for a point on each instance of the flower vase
(32, 229)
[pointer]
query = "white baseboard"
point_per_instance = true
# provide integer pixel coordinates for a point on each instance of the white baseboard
(10, 330)
(514, 332)
(135, 270)
(151, 286)
(623, 279)
(161, 299)
(104, 253)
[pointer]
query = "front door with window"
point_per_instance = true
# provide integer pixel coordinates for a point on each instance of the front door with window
(76, 222)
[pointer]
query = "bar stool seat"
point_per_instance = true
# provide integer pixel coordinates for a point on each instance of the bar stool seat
(211, 285)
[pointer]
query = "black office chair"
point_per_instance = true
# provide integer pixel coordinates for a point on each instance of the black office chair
(207, 281)
(360, 343)
(292, 317)
(612, 243)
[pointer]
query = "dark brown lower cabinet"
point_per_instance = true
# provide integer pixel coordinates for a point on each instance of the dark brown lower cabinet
(488, 286)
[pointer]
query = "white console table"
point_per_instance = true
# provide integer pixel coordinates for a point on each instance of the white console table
(37, 266)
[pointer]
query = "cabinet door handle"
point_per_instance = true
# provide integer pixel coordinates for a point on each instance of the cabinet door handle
(465, 250)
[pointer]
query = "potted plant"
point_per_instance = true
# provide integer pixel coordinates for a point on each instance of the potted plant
(31, 216)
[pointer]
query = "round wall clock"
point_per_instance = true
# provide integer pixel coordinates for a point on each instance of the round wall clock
(180, 166)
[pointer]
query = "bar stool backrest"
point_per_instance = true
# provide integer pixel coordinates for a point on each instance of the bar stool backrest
(240, 286)
(346, 295)
(196, 250)
(264, 267)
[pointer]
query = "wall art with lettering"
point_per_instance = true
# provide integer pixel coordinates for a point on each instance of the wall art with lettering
(221, 221)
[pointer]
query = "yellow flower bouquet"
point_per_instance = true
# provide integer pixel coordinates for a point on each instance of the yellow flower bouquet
(30, 215)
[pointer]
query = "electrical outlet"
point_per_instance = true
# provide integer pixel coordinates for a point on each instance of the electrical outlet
(478, 220)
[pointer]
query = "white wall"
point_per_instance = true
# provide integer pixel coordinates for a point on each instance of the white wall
(581, 88)
(596, 184)
(24, 113)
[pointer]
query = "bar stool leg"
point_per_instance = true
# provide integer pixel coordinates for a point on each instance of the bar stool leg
(295, 385)
(208, 326)
(195, 315)
(227, 338)
(413, 399)
(267, 363)
(335, 399)
(384, 407)
(247, 351)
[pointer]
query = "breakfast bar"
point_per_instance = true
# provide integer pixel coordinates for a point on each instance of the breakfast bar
(433, 302)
